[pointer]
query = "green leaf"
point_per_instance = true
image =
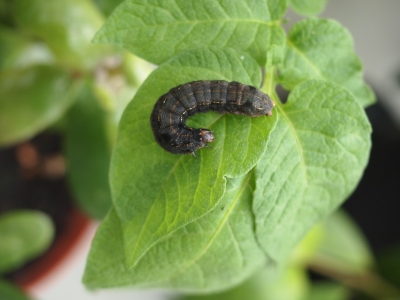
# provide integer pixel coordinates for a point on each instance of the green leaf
(307, 7)
(292, 285)
(389, 265)
(329, 291)
(323, 49)
(23, 236)
(156, 192)
(88, 154)
(32, 99)
(158, 30)
(343, 247)
(315, 157)
(107, 6)
(16, 51)
(11, 292)
(67, 26)
(211, 253)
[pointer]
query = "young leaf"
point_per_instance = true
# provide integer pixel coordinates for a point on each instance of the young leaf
(31, 99)
(307, 7)
(23, 235)
(323, 49)
(315, 157)
(211, 253)
(158, 30)
(156, 192)
(88, 154)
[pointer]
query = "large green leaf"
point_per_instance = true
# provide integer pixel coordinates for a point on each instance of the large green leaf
(323, 49)
(211, 253)
(88, 154)
(32, 99)
(67, 26)
(156, 192)
(158, 30)
(23, 236)
(315, 157)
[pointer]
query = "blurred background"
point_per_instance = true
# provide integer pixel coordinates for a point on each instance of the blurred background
(107, 78)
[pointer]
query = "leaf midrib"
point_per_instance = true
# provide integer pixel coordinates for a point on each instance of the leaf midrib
(217, 231)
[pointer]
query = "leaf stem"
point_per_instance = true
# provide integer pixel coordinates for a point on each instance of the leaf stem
(369, 283)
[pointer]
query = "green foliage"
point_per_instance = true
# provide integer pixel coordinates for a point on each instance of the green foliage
(389, 265)
(67, 27)
(158, 30)
(88, 154)
(10, 292)
(195, 224)
(307, 7)
(343, 247)
(180, 187)
(33, 98)
(313, 161)
(23, 235)
(171, 213)
(107, 6)
(329, 291)
(193, 257)
(323, 49)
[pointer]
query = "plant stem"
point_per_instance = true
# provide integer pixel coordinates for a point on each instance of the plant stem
(367, 282)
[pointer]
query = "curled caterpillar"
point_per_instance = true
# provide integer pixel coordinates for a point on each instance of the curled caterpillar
(173, 108)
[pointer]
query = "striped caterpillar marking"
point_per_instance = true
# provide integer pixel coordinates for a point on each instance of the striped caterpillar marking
(173, 108)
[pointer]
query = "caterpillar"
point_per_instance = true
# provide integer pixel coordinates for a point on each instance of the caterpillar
(173, 108)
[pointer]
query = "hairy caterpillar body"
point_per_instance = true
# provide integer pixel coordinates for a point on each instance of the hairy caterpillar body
(173, 108)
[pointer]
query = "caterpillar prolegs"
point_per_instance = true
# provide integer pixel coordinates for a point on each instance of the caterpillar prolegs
(173, 108)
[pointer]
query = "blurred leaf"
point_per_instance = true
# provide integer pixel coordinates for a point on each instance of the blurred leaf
(308, 7)
(67, 26)
(17, 51)
(323, 49)
(293, 285)
(343, 247)
(315, 157)
(209, 254)
(107, 6)
(389, 265)
(11, 292)
(32, 99)
(306, 249)
(145, 27)
(24, 235)
(88, 154)
(329, 291)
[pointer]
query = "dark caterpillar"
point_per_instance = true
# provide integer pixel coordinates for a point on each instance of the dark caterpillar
(173, 108)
